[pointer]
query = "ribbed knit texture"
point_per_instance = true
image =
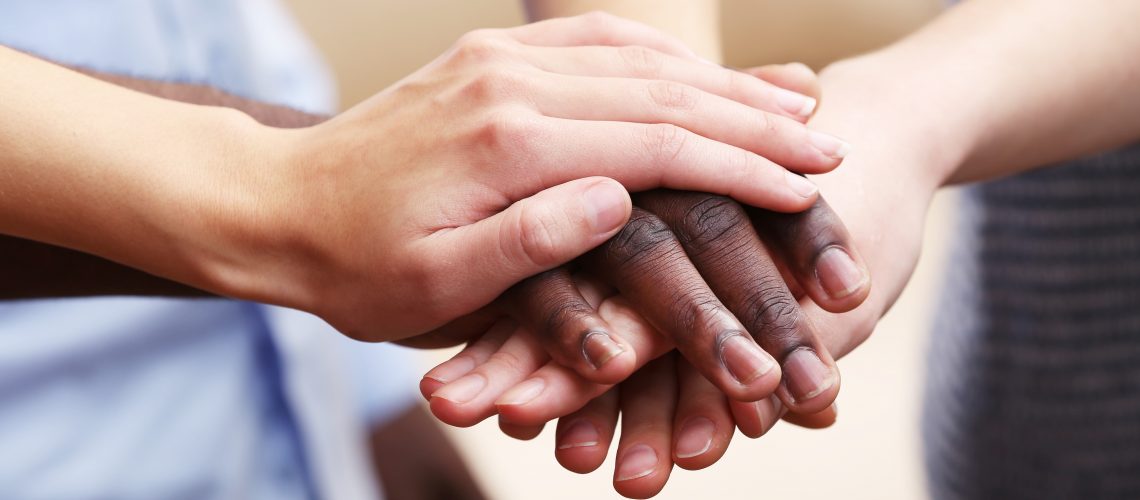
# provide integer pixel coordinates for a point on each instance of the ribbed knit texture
(1034, 378)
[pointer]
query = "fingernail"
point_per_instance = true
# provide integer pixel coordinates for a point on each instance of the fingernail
(800, 185)
(523, 393)
(579, 435)
(744, 359)
(838, 274)
(463, 390)
(696, 437)
(794, 103)
(598, 348)
(828, 144)
(638, 461)
(605, 204)
(806, 375)
(451, 369)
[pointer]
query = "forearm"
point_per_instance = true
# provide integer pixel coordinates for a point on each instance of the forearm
(992, 89)
(32, 269)
(696, 22)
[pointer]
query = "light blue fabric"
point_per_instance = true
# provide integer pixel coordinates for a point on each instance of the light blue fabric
(134, 398)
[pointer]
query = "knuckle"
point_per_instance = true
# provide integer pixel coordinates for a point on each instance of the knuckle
(639, 242)
(734, 83)
(766, 124)
(507, 132)
(563, 319)
(642, 61)
(708, 222)
(664, 142)
(696, 308)
(507, 360)
(771, 313)
(495, 85)
(741, 166)
(480, 46)
(673, 95)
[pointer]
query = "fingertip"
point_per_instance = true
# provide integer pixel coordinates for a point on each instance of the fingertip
(520, 432)
(747, 418)
(446, 372)
(612, 367)
(841, 281)
(831, 147)
(641, 471)
(701, 442)
(444, 411)
(580, 448)
(749, 372)
(804, 192)
(450, 403)
(523, 393)
(606, 203)
(522, 403)
(580, 460)
(820, 420)
(428, 386)
(811, 381)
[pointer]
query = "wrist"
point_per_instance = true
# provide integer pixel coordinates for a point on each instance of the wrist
(229, 209)
(875, 105)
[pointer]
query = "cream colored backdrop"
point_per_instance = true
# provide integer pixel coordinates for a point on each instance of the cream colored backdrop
(873, 452)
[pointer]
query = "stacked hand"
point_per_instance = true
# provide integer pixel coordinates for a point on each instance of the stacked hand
(703, 297)
(502, 190)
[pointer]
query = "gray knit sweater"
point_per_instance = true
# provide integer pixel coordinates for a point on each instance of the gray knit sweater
(1034, 378)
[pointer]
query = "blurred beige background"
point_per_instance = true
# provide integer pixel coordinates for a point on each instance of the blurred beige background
(873, 452)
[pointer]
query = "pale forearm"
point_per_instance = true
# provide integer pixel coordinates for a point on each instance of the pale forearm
(696, 22)
(1001, 86)
(30, 269)
(95, 167)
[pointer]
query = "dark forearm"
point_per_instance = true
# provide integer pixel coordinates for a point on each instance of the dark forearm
(30, 269)
(268, 114)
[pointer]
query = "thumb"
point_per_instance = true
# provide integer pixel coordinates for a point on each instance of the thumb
(531, 236)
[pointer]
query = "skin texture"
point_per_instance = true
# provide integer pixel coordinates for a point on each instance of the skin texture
(447, 217)
(413, 458)
(649, 263)
(729, 253)
(917, 130)
(32, 270)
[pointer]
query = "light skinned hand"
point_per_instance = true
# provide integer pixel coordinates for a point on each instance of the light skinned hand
(505, 157)
(510, 154)
(704, 416)
(650, 265)
(660, 262)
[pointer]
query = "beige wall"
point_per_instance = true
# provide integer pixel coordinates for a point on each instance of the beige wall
(372, 43)
(872, 453)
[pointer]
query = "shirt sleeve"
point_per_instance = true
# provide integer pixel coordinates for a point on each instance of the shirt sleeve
(385, 378)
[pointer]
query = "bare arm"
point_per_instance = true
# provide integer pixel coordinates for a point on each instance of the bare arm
(999, 87)
(312, 218)
(30, 269)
